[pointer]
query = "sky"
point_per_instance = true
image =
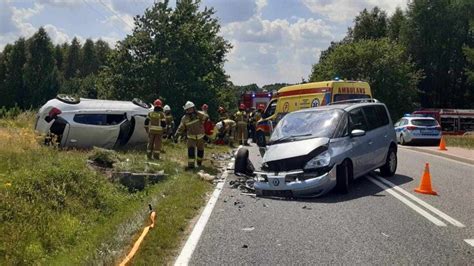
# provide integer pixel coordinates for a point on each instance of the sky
(274, 41)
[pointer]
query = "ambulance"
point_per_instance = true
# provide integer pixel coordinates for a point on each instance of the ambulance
(308, 95)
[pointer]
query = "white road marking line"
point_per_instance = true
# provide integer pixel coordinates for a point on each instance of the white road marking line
(434, 155)
(441, 214)
(419, 210)
(470, 242)
(188, 249)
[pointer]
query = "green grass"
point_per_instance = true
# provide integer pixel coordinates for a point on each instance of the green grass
(56, 210)
(460, 141)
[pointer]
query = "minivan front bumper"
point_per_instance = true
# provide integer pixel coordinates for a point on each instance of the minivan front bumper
(277, 184)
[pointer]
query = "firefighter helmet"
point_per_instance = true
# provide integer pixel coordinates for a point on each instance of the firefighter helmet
(188, 105)
(157, 103)
(204, 107)
(167, 108)
(242, 106)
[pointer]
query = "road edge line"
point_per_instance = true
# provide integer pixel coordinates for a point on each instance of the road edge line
(434, 210)
(193, 239)
(410, 204)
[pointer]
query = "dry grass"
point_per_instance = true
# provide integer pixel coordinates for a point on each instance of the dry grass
(55, 210)
(460, 141)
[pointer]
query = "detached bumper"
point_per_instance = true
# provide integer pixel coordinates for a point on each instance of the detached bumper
(277, 184)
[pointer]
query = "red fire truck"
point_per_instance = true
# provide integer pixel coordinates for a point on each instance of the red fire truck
(253, 99)
(452, 121)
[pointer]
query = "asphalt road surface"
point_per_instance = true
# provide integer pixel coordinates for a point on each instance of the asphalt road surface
(372, 224)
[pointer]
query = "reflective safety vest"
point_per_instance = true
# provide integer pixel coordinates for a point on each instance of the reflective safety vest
(193, 125)
(241, 118)
(156, 121)
(169, 119)
(223, 116)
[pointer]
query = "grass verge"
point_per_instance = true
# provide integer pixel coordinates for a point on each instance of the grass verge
(56, 210)
(466, 142)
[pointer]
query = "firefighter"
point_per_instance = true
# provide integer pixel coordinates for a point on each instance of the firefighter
(222, 113)
(241, 118)
(256, 116)
(208, 125)
(154, 126)
(225, 131)
(169, 122)
(192, 123)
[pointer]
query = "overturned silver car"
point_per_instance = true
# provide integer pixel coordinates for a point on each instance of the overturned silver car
(85, 123)
(314, 150)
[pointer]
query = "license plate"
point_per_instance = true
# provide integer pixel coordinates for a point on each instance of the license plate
(429, 132)
(278, 193)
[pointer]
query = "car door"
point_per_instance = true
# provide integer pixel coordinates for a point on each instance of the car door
(95, 129)
(360, 150)
(377, 122)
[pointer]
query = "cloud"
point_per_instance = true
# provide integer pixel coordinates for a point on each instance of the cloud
(7, 25)
(232, 10)
(268, 51)
(61, 3)
(57, 35)
(346, 10)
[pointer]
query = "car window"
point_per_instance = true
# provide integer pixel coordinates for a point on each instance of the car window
(357, 120)
(99, 119)
(372, 117)
(343, 128)
(382, 115)
(404, 122)
(270, 109)
(345, 97)
(424, 122)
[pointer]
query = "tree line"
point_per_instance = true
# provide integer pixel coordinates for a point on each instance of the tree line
(421, 57)
(33, 70)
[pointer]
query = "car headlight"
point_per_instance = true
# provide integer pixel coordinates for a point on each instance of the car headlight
(319, 161)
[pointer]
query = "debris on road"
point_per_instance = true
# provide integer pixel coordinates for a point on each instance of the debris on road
(307, 208)
(205, 176)
(245, 246)
(244, 184)
(248, 229)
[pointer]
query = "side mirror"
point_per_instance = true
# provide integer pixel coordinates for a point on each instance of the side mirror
(357, 133)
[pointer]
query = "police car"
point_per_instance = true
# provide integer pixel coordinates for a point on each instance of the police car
(84, 123)
(417, 129)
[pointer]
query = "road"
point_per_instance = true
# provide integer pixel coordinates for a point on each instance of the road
(369, 225)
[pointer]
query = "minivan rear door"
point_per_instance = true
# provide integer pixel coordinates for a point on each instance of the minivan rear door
(379, 129)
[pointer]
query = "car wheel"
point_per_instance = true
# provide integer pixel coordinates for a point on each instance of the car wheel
(402, 140)
(241, 165)
(261, 139)
(68, 99)
(342, 177)
(390, 166)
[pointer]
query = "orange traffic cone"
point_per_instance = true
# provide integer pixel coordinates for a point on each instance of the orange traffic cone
(442, 145)
(425, 185)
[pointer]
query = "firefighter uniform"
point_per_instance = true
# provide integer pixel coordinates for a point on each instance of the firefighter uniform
(169, 122)
(241, 118)
(226, 131)
(193, 125)
(222, 114)
(155, 124)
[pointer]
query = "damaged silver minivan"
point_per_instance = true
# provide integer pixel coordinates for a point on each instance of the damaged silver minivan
(314, 150)
(85, 123)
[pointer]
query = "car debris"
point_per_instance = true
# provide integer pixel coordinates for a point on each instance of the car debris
(205, 176)
(248, 229)
(307, 208)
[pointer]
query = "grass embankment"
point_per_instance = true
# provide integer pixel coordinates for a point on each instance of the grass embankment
(466, 142)
(54, 209)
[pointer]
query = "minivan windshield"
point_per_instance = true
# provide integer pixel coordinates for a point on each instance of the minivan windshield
(314, 124)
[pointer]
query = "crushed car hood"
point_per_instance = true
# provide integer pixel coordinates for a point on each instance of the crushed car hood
(292, 149)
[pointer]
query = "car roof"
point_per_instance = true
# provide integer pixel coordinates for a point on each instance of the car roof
(419, 117)
(96, 105)
(343, 106)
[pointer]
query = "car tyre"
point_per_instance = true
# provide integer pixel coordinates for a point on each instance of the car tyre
(261, 142)
(402, 140)
(342, 177)
(390, 166)
(241, 165)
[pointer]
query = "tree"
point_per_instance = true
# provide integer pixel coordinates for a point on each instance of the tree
(14, 89)
(173, 54)
(59, 57)
(434, 35)
(40, 71)
(103, 51)
(89, 61)
(395, 24)
(72, 62)
(370, 25)
(382, 63)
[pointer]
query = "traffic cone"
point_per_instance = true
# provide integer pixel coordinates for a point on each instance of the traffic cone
(425, 185)
(442, 145)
